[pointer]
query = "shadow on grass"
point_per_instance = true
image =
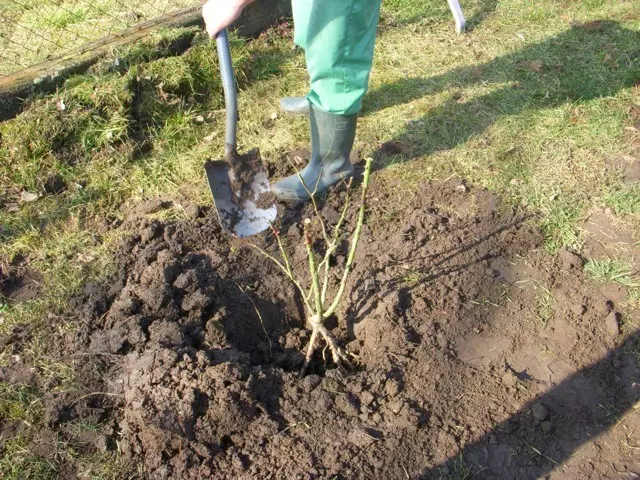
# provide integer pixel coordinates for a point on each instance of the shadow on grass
(588, 403)
(486, 8)
(586, 62)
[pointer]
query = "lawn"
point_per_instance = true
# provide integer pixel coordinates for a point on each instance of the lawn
(31, 32)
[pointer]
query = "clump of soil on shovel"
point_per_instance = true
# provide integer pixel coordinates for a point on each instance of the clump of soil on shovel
(459, 369)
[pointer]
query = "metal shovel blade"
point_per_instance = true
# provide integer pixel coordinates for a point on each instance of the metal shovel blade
(241, 194)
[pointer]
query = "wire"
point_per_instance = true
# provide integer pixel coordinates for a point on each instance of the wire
(61, 26)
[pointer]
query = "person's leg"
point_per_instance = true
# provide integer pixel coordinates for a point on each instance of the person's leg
(338, 37)
(338, 43)
(301, 16)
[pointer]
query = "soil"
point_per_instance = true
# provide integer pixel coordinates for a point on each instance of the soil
(476, 351)
(626, 166)
(606, 236)
(18, 281)
(266, 200)
(244, 168)
(240, 188)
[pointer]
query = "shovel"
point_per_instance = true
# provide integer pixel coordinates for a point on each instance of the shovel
(239, 183)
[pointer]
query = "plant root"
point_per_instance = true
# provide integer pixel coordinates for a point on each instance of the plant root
(339, 356)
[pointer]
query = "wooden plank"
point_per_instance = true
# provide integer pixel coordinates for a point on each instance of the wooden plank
(50, 74)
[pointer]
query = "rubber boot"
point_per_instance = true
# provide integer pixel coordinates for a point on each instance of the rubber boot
(332, 138)
(294, 105)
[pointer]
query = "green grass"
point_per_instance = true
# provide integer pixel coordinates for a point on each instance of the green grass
(531, 104)
(625, 200)
(94, 147)
(457, 469)
(21, 403)
(613, 271)
(53, 16)
(18, 462)
(618, 271)
(104, 467)
(536, 119)
(35, 31)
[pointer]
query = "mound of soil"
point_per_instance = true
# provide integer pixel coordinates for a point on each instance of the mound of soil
(476, 351)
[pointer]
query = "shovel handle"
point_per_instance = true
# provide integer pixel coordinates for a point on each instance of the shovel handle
(230, 94)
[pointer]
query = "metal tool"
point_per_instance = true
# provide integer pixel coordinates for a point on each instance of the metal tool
(239, 183)
(456, 10)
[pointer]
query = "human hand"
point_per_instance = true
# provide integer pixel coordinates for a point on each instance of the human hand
(219, 14)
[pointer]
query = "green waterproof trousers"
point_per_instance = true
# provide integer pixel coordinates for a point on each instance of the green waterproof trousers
(338, 37)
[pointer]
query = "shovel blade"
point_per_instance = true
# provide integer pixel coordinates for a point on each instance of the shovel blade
(244, 203)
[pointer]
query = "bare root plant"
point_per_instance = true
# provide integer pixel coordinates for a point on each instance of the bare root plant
(315, 296)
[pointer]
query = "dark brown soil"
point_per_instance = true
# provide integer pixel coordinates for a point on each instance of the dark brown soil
(477, 352)
(266, 200)
(18, 281)
(243, 170)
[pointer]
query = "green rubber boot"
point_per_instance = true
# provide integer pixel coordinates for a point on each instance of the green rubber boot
(294, 105)
(332, 138)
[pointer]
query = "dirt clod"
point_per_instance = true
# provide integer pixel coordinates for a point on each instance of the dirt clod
(546, 427)
(570, 261)
(509, 379)
(539, 412)
(612, 324)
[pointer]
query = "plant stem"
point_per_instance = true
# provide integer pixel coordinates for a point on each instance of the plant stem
(354, 243)
(331, 248)
(315, 284)
(314, 318)
(283, 252)
(312, 196)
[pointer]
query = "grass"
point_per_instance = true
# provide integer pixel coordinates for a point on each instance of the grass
(618, 271)
(624, 200)
(93, 147)
(457, 469)
(613, 271)
(34, 31)
(21, 403)
(103, 467)
(545, 305)
(532, 104)
(18, 462)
